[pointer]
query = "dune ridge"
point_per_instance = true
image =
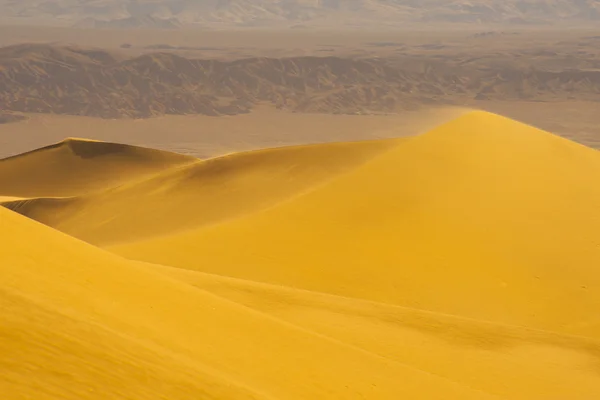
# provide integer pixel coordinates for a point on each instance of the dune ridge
(81, 323)
(201, 193)
(132, 302)
(426, 340)
(468, 210)
(77, 166)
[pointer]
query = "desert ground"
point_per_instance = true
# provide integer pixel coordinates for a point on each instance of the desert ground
(225, 214)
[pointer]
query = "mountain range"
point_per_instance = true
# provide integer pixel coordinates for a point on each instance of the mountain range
(94, 82)
(324, 13)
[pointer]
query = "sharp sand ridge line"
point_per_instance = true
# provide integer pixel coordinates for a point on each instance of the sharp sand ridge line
(202, 193)
(381, 356)
(481, 207)
(111, 215)
(75, 167)
(394, 332)
(131, 177)
(215, 280)
(90, 283)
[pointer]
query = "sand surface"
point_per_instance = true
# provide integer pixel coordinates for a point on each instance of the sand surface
(458, 263)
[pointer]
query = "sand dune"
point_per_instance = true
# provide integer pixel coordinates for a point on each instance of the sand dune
(456, 264)
(77, 166)
(535, 363)
(198, 194)
(80, 323)
(481, 208)
(9, 198)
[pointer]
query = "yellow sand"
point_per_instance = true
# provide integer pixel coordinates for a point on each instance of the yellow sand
(80, 323)
(204, 192)
(9, 198)
(506, 361)
(483, 217)
(459, 264)
(78, 166)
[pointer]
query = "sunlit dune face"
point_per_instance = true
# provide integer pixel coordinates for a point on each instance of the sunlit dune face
(461, 263)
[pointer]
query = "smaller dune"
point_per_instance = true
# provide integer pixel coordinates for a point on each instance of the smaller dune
(199, 194)
(77, 166)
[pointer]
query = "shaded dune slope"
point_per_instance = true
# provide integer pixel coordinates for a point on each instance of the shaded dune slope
(205, 192)
(77, 166)
(81, 323)
(480, 208)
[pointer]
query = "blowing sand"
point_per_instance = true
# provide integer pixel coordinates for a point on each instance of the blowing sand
(460, 263)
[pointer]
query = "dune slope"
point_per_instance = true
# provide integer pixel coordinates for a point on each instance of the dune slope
(507, 361)
(81, 323)
(482, 217)
(77, 166)
(201, 193)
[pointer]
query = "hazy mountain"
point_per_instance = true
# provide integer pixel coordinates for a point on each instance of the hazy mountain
(312, 12)
(78, 81)
(130, 22)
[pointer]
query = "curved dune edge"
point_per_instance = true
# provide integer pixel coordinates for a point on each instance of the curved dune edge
(481, 208)
(79, 166)
(6, 199)
(89, 323)
(201, 193)
(97, 326)
(491, 354)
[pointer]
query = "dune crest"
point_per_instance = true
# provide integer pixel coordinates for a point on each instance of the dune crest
(201, 193)
(480, 208)
(77, 166)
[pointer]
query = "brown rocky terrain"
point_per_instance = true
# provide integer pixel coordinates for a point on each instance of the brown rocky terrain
(83, 81)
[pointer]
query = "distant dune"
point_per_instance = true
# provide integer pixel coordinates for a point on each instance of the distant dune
(77, 166)
(461, 263)
(200, 193)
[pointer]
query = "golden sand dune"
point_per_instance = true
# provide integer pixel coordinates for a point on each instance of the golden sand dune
(204, 192)
(458, 264)
(483, 217)
(77, 166)
(9, 198)
(533, 363)
(80, 323)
